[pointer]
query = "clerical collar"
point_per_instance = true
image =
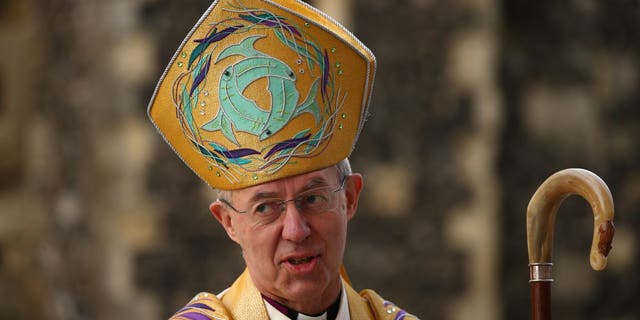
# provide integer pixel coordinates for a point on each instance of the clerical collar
(331, 312)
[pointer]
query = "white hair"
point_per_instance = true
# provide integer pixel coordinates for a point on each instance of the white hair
(344, 168)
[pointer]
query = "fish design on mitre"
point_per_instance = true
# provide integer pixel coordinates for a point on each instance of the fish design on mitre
(243, 114)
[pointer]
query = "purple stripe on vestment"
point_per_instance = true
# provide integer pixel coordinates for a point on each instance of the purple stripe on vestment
(401, 315)
(196, 305)
(194, 316)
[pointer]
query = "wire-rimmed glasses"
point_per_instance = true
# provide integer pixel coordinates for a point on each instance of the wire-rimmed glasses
(309, 202)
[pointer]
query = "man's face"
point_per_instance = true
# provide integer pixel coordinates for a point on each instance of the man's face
(297, 256)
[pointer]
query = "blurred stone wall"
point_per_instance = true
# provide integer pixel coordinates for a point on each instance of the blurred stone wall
(431, 202)
(475, 104)
(75, 210)
(570, 74)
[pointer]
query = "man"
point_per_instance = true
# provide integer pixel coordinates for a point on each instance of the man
(264, 100)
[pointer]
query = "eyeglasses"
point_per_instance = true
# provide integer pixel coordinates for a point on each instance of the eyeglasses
(309, 202)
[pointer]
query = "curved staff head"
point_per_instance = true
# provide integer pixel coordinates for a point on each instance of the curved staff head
(543, 207)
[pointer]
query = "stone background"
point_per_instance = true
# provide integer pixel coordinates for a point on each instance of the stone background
(476, 102)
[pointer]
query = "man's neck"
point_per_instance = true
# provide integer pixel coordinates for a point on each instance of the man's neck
(331, 312)
(309, 303)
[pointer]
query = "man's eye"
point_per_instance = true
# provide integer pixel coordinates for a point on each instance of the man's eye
(264, 208)
(314, 199)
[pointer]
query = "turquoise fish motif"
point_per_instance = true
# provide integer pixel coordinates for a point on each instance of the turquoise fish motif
(243, 114)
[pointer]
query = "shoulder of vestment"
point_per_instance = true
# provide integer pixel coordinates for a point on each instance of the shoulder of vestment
(203, 306)
(383, 309)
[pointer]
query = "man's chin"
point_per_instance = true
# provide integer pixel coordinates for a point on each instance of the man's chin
(302, 294)
(309, 287)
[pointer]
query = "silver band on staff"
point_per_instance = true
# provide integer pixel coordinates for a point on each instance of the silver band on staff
(540, 272)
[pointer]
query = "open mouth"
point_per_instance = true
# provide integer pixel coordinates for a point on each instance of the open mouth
(302, 264)
(299, 261)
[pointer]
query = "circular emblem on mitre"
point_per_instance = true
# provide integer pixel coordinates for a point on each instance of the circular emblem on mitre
(262, 90)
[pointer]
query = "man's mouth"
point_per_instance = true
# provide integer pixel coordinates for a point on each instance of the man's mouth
(299, 261)
(302, 264)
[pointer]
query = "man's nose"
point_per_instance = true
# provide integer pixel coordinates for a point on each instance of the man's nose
(295, 226)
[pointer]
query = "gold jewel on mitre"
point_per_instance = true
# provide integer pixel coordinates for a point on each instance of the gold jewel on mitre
(261, 90)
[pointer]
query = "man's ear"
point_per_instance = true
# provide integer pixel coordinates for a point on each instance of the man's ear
(353, 187)
(221, 214)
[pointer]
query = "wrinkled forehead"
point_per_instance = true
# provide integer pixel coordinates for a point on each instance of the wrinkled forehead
(295, 184)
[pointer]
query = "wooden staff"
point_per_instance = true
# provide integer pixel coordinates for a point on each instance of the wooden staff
(541, 214)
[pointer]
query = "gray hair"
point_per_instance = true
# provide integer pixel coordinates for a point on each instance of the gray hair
(343, 167)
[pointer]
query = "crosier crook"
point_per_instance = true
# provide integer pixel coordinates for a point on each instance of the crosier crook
(541, 214)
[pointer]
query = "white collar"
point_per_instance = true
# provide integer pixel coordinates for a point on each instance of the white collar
(343, 311)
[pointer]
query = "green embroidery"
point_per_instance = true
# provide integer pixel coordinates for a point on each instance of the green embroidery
(239, 112)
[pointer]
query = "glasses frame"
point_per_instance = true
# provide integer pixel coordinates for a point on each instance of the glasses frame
(283, 202)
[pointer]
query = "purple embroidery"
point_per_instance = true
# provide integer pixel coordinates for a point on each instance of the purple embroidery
(287, 144)
(220, 35)
(201, 76)
(238, 153)
(325, 75)
(214, 37)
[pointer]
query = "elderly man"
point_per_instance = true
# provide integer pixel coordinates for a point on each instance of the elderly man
(264, 100)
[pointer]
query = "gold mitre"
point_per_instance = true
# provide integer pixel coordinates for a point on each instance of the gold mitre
(261, 90)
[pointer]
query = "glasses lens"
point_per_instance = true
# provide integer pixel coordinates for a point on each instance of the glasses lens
(310, 202)
(316, 201)
(267, 210)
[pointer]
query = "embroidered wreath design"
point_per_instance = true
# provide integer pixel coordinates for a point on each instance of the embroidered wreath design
(236, 113)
